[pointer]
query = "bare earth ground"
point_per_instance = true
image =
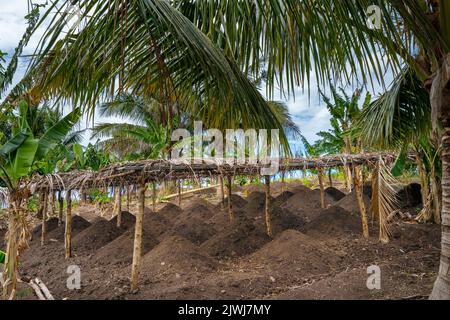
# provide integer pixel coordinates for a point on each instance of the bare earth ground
(194, 252)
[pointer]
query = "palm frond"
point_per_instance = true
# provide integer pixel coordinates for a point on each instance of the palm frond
(400, 116)
(384, 198)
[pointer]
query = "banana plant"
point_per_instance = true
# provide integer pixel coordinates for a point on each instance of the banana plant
(19, 157)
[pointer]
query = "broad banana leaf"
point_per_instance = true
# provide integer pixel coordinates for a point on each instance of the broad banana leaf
(12, 145)
(57, 133)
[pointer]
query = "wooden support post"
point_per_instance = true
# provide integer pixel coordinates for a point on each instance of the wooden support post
(222, 191)
(128, 198)
(53, 203)
(61, 208)
(44, 216)
(359, 197)
(322, 189)
(118, 204)
(283, 183)
(268, 211)
(68, 230)
(230, 205)
(138, 239)
(154, 196)
(330, 178)
(179, 193)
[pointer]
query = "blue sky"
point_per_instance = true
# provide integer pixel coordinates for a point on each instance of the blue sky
(308, 110)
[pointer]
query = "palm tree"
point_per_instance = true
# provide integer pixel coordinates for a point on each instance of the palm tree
(159, 42)
(145, 134)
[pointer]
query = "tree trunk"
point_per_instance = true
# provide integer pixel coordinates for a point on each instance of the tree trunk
(437, 197)
(330, 178)
(154, 196)
(68, 230)
(230, 205)
(268, 212)
(283, 183)
(423, 179)
(44, 217)
(440, 102)
(222, 191)
(118, 204)
(61, 208)
(138, 239)
(322, 189)
(179, 193)
(359, 196)
(128, 198)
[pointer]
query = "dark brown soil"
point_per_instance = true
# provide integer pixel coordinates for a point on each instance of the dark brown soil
(78, 225)
(236, 201)
(50, 225)
(170, 211)
(100, 233)
(236, 240)
(193, 224)
(336, 194)
(306, 203)
(350, 204)
(334, 221)
(120, 250)
(197, 253)
(292, 255)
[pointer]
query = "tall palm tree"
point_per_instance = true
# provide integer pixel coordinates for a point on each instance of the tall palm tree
(151, 42)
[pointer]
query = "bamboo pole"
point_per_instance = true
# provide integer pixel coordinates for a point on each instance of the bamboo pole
(44, 216)
(268, 212)
(128, 198)
(118, 204)
(322, 189)
(222, 191)
(359, 197)
(154, 196)
(179, 193)
(230, 205)
(138, 239)
(330, 178)
(61, 208)
(68, 230)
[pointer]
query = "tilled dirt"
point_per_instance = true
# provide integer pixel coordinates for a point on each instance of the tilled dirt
(197, 253)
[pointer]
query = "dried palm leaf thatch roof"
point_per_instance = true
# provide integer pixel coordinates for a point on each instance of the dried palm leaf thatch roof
(145, 171)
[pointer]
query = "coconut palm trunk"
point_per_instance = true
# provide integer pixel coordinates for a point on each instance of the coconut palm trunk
(440, 102)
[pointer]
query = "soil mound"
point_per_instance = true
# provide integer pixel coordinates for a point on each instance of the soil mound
(306, 203)
(128, 220)
(334, 221)
(50, 225)
(416, 236)
(176, 255)
(410, 195)
(155, 224)
(97, 235)
(120, 250)
(194, 224)
(284, 220)
(256, 204)
(282, 198)
(350, 203)
(78, 225)
(336, 194)
(236, 240)
(293, 250)
(236, 201)
(170, 211)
